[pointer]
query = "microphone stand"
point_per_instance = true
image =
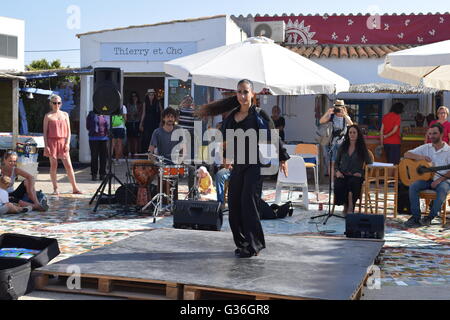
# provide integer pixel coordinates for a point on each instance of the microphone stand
(329, 214)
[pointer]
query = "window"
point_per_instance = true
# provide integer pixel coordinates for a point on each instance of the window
(366, 112)
(176, 91)
(8, 46)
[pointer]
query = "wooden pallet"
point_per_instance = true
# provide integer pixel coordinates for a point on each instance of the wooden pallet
(137, 289)
(192, 292)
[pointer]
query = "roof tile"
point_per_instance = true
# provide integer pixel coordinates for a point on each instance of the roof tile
(346, 51)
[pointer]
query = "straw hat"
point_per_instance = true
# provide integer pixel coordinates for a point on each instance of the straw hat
(339, 103)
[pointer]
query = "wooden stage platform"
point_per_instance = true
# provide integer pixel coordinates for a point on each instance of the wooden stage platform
(188, 264)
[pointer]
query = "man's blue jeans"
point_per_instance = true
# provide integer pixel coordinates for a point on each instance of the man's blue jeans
(221, 176)
(441, 193)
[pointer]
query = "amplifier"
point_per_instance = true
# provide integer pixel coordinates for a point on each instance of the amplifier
(198, 215)
(364, 226)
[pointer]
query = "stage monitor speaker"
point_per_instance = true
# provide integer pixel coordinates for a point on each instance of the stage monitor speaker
(364, 226)
(198, 215)
(107, 96)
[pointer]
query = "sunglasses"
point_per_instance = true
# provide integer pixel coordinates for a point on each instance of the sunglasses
(56, 103)
(243, 92)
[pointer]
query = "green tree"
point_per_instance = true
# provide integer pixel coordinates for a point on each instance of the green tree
(43, 64)
(37, 107)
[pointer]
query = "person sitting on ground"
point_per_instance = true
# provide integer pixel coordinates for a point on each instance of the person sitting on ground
(5, 205)
(350, 160)
(437, 152)
(204, 181)
(26, 188)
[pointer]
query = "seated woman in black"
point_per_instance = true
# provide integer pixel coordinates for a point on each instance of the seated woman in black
(350, 160)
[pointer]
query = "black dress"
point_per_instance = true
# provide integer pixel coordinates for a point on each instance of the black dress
(152, 121)
(243, 194)
(348, 165)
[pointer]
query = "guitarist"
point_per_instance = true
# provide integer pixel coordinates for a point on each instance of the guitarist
(437, 152)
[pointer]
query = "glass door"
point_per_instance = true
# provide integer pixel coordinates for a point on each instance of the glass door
(175, 91)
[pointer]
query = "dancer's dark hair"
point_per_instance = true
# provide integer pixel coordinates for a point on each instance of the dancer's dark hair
(221, 106)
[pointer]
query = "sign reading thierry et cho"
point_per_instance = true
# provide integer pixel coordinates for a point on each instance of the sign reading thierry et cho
(146, 51)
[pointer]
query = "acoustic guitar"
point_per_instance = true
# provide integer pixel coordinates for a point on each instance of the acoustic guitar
(410, 170)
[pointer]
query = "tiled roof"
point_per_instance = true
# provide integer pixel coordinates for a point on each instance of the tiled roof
(332, 14)
(152, 25)
(346, 51)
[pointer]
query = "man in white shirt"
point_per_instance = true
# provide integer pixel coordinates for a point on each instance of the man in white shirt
(437, 152)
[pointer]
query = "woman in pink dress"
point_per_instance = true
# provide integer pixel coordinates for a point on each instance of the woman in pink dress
(57, 142)
(442, 114)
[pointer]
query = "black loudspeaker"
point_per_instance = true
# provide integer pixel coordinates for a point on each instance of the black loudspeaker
(364, 226)
(107, 96)
(198, 215)
(403, 204)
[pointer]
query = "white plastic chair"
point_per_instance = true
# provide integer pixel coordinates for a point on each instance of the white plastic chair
(296, 178)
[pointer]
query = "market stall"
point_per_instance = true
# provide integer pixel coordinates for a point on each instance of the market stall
(411, 138)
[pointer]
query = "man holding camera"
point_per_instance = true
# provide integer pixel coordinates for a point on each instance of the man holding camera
(341, 120)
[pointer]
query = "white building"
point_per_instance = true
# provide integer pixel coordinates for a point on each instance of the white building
(12, 57)
(12, 45)
(140, 52)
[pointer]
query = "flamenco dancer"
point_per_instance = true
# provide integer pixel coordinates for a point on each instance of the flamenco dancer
(243, 197)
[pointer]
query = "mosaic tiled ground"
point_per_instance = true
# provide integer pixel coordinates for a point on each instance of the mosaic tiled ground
(409, 257)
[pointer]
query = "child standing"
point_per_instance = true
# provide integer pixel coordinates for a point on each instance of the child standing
(5, 205)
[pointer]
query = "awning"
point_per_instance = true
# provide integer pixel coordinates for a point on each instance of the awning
(43, 74)
(390, 88)
(11, 77)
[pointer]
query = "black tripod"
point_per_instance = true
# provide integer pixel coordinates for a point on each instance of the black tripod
(194, 193)
(329, 214)
(107, 181)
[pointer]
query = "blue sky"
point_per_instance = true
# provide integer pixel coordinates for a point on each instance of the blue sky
(46, 21)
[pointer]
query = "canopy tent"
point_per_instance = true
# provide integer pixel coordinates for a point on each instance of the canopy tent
(427, 65)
